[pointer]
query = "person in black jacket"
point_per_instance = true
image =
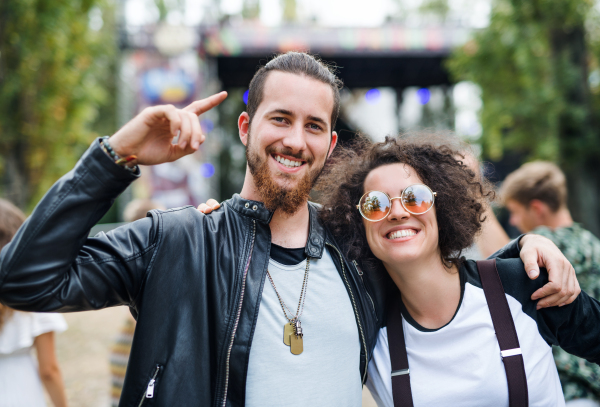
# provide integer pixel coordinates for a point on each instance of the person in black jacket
(252, 305)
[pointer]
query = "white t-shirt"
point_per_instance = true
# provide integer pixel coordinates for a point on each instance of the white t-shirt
(459, 364)
(20, 383)
(327, 373)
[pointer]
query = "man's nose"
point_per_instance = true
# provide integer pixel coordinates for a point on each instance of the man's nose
(397, 211)
(295, 138)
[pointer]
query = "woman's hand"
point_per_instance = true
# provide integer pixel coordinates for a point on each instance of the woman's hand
(149, 135)
(562, 287)
(209, 206)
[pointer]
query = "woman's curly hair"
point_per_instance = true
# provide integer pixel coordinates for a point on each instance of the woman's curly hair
(439, 161)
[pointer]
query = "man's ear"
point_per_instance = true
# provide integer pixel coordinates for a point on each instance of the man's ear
(334, 139)
(539, 208)
(244, 127)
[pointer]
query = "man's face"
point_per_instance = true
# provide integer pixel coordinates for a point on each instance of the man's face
(290, 139)
(522, 217)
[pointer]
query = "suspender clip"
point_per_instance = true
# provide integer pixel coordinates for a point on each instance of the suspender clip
(400, 372)
(510, 352)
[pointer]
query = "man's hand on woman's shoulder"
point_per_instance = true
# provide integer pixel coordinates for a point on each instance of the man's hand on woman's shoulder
(562, 287)
(209, 206)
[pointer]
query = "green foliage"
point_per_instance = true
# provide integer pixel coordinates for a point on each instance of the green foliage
(532, 64)
(251, 9)
(439, 8)
(54, 71)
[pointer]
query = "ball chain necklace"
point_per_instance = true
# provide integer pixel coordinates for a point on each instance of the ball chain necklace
(292, 331)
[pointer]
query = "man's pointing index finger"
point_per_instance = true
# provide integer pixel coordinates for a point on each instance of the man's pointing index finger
(201, 106)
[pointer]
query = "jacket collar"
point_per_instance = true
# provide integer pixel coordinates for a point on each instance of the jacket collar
(316, 233)
(252, 209)
(257, 210)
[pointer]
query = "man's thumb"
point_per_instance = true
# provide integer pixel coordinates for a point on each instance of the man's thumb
(531, 266)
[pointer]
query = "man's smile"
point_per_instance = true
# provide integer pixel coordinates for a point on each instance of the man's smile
(287, 162)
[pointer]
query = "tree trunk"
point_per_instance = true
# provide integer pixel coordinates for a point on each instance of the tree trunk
(578, 136)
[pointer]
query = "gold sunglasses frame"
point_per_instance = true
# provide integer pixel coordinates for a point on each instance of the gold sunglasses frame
(433, 194)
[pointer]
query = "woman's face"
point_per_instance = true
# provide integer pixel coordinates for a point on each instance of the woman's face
(402, 237)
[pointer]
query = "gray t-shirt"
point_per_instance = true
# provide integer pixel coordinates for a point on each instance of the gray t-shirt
(327, 372)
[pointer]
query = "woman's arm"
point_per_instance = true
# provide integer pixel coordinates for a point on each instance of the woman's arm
(49, 370)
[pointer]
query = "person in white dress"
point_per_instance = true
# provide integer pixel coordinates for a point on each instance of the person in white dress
(21, 375)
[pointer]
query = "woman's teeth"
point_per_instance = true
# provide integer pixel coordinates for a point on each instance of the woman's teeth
(288, 163)
(402, 233)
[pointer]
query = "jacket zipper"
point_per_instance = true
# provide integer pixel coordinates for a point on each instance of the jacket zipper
(362, 334)
(360, 273)
(239, 312)
(150, 389)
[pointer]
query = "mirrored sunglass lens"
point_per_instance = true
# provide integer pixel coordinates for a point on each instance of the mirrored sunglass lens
(375, 205)
(417, 198)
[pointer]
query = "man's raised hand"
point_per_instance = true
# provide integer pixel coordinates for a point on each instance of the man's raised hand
(149, 135)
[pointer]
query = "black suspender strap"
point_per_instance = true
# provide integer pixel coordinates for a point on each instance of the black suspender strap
(399, 358)
(505, 333)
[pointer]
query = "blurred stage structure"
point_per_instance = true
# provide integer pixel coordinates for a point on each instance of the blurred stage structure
(175, 64)
(391, 55)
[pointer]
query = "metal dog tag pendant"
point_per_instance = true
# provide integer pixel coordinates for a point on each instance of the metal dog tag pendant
(288, 329)
(296, 346)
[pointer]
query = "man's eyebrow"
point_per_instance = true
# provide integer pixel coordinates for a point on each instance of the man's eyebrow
(281, 111)
(318, 120)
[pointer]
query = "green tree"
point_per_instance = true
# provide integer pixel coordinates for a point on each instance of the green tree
(251, 9)
(57, 61)
(533, 63)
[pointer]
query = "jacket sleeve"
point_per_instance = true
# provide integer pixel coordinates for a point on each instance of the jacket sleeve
(510, 251)
(52, 265)
(575, 327)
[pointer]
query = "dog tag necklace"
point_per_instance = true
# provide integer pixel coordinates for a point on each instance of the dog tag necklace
(292, 330)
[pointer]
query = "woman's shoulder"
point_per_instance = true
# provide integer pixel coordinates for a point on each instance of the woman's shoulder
(21, 329)
(513, 276)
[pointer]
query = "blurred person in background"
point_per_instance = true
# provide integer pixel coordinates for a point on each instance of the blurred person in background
(119, 356)
(22, 332)
(536, 196)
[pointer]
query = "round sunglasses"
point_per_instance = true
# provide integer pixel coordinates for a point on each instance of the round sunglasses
(417, 199)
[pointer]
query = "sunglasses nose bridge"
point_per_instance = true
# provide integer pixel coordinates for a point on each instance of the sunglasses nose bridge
(397, 211)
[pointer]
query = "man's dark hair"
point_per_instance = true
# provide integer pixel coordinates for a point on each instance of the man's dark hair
(437, 160)
(298, 63)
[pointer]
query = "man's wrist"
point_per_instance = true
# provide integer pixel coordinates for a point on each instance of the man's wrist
(117, 147)
(521, 240)
(127, 162)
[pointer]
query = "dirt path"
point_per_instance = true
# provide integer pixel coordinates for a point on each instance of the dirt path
(83, 352)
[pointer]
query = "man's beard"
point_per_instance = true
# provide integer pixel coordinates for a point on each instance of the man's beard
(273, 195)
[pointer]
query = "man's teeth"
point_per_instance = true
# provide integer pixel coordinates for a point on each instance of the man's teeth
(402, 233)
(288, 163)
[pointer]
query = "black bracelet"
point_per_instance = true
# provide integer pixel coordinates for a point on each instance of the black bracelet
(121, 162)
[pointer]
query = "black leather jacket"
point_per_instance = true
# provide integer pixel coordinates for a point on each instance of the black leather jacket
(193, 282)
